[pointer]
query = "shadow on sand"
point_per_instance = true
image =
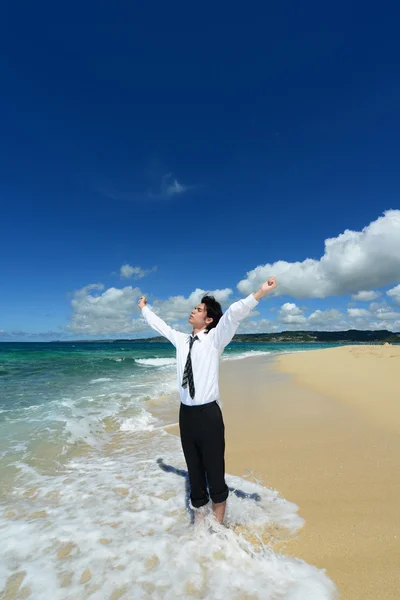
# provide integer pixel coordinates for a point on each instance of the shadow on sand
(183, 473)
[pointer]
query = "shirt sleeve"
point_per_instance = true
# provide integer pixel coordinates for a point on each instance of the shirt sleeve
(230, 321)
(159, 325)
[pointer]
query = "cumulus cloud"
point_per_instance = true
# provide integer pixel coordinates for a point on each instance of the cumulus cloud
(365, 296)
(109, 312)
(386, 313)
(105, 313)
(378, 316)
(358, 312)
(290, 313)
(353, 261)
(383, 316)
(325, 318)
(251, 326)
(100, 312)
(394, 293)
(127, 272)
(292, 317)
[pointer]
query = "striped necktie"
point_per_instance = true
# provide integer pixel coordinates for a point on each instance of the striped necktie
(188, 373)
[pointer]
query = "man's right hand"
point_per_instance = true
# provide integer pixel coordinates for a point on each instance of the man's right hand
(142, 302)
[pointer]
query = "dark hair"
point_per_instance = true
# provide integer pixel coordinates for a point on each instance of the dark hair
(214, 311)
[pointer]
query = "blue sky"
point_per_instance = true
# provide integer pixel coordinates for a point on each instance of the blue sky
(197, 145)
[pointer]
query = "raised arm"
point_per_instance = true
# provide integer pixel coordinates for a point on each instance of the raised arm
(156, 323)
(225, 330)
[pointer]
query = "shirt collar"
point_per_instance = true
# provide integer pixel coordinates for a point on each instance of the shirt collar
(200, 335)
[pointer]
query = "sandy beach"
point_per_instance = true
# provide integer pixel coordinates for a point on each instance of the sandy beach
(325, 433)
(322, 428)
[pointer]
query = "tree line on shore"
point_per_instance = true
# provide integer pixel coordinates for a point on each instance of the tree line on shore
(352, 335)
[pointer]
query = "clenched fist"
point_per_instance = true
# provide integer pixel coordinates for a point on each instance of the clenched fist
(142, 302)
(269, 285)
(266, 287)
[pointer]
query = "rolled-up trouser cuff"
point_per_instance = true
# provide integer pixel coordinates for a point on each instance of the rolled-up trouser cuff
(198, 503)
(221, 497)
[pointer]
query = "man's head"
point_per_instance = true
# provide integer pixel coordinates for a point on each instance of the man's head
(206, 314)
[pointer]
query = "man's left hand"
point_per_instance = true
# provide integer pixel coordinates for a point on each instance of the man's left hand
(269, 285)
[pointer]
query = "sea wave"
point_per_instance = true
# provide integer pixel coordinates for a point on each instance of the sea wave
(143, 421)
(155, 362)
(247, 354)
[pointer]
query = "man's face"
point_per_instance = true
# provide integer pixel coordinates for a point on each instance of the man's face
(198, 317)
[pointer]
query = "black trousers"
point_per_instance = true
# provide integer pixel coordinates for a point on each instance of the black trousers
(203, 442)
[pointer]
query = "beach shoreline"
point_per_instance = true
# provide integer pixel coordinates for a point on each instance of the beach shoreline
(312, 426)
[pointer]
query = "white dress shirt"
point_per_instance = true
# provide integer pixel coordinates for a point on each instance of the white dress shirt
(206, 350)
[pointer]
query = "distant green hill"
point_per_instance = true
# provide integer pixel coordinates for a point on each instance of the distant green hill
(352, 335)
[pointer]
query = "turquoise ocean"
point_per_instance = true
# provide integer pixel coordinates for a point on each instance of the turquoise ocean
(93, 489)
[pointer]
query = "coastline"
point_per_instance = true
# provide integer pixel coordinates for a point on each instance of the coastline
(312, 426)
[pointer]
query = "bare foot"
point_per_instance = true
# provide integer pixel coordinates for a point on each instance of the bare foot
(199, 514)
(219, 511)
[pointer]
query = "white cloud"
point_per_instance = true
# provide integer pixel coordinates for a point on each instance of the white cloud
(250, 326)
(290, 313)
(386, 314)
(127, 271)
(169, 188)
(366, 296)
(99, 312)
(172, 187)
(358, 312)
(324, 318)
(394, 293)
(353, 261)
(161, 188)
(379, 316)
(106, 313)
(109, 312)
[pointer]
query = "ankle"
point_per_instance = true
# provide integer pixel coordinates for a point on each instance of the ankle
(219, 511)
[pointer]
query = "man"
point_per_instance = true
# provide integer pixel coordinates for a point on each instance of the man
(200, 419)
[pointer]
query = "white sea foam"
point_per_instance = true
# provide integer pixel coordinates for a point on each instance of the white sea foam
(143, 421)
(83, 417)
(156, 362)
(247, 354)
(120, 521)
(100, 380)
(291, 351)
